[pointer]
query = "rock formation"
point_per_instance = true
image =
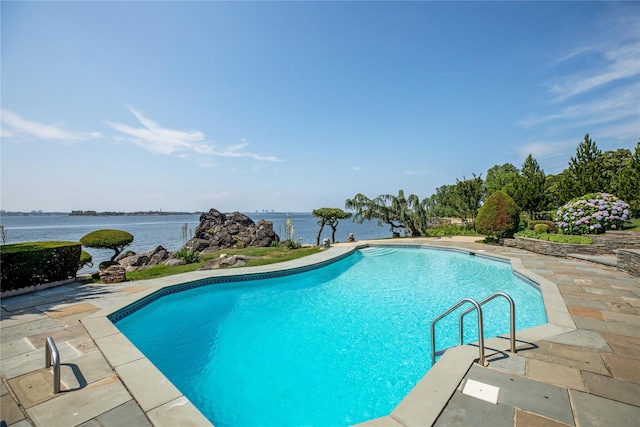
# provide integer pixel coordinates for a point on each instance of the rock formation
(155, 256)
(113, 274)
(226, 261)
(217, 231)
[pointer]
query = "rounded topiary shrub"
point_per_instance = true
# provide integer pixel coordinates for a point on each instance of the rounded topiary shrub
(115, 240)
(592, 214)
(541, 228)
(499, 216)
(552, 225)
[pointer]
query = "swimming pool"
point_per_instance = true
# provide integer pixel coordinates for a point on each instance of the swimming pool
(333, 346)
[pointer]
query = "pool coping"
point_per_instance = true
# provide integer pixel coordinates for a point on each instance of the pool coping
(158, 397)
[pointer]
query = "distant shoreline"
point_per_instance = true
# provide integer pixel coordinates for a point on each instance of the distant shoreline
(139, 213)
(94, 213)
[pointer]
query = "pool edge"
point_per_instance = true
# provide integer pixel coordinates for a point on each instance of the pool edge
(421, 406)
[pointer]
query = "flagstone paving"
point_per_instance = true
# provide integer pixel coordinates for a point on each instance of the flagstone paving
(585, 377)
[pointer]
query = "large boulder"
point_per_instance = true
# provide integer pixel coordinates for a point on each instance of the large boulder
(218, 231)
(113, 274)
(155, 256)
(226, 261)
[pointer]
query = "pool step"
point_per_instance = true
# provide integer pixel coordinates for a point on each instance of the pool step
(376, 251)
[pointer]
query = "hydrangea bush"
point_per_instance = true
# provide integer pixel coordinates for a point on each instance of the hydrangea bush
(592, 214)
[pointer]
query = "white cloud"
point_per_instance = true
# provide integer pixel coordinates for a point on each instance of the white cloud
(184, 144)
(618, 104)
(414, 172)
(357, 168)
(16, 127)
(616, 63)
(542, 149)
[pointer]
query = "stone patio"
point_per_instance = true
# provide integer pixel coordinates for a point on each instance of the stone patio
(584, 375)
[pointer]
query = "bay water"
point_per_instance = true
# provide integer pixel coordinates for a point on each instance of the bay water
(150, 231)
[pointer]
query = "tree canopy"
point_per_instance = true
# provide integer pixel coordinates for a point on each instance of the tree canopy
(530, 188)
(108, 239)
(585, 173)
(501, 178)
(329, 216)
(400, 213)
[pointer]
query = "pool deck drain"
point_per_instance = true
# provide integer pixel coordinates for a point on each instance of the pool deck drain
(581, 369)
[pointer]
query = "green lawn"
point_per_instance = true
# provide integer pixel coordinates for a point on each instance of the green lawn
(261, 256)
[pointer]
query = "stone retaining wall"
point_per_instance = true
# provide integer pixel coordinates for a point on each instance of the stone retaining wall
(624, 244)
(629, 261)
(558, 249)
(617, 239)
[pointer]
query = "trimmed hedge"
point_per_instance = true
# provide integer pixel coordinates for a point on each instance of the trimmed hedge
(35, 263)
(552, 225)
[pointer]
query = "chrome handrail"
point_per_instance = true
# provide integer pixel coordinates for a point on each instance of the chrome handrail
(512, 313)
(449, 311)
(52, 358)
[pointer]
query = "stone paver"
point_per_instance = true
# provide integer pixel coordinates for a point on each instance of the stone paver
(596, 411)
(585, 376)
(527, 419)
(612, 388)
(555, 374)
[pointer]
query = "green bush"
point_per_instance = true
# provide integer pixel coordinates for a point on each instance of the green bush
(115, 240)
(187, 256)
(290, 244)
(499, 216)
(541, 228)
(557, 238)
(106, 264)
(34, 263)
(551, 224)
(85, 259)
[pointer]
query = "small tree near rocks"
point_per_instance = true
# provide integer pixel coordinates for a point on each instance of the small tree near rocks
(330, 217)
(115, 240)
(499, 216)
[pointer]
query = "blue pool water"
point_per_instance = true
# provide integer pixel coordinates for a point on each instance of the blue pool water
(329, 347)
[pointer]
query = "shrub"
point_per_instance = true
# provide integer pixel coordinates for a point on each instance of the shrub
(593, 213)
(85, 259)
(187, 256)
(290, 244)
(551, 224)
(34, 263)
(499, 216)
(541, 228)
(106, 264)
(108, 239)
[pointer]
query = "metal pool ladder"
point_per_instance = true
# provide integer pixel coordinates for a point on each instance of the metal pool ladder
(52, 358)
(476, 306)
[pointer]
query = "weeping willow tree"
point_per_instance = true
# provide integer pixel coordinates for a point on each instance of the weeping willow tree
(399, 212)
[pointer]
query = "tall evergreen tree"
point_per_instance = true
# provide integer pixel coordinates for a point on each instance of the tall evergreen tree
(585, 172)
(530, 188)
(629, 182)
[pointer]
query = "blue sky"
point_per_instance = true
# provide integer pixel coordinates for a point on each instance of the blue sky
(293, 106)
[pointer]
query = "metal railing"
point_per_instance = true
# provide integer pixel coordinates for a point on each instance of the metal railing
(451, 310)
(478, 307)
(512, 316)
(52, 358)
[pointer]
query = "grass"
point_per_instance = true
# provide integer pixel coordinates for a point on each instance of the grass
(260, 256)
(557, 238)
(635, 225)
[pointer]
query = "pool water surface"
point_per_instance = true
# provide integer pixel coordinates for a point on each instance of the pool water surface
(333, 346)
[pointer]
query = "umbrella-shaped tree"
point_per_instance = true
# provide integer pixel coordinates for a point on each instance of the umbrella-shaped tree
(329, 216)
(115, 240)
